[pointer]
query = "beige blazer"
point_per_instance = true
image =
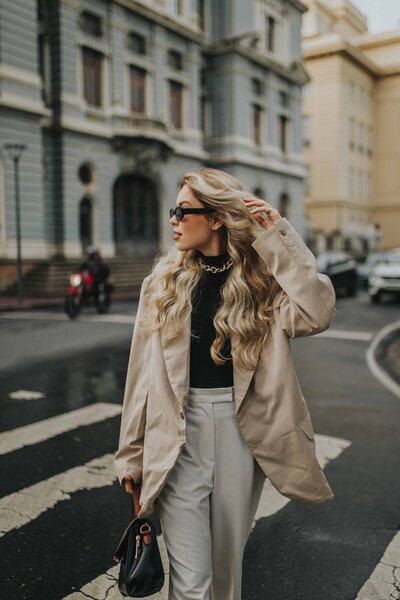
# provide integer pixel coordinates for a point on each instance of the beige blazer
(271, 411)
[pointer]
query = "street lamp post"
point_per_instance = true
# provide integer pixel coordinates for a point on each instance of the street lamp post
(15, 152)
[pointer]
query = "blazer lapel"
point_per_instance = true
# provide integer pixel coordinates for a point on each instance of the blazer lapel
(241, 377)
(176, 357)
(177, 363)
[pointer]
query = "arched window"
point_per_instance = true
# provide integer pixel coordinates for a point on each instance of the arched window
(85, 223)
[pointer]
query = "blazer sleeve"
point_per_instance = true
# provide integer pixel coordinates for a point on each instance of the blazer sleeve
(307, 301)
(129, 456)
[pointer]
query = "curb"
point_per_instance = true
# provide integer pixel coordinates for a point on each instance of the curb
(383, 369)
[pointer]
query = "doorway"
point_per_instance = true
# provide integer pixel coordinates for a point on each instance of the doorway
(136, 216)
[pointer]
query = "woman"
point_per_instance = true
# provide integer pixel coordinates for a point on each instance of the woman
(212, 404)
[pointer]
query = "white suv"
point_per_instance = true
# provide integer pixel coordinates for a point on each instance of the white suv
(385, 276)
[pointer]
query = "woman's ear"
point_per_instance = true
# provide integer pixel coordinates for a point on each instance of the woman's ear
(216, 224)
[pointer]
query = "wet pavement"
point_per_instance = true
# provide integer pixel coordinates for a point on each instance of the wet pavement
(28, 338)
(68, 511)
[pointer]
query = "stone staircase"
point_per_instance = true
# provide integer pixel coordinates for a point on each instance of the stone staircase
(51, 278)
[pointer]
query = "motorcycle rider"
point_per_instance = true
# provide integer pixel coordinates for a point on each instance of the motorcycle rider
(96, 266)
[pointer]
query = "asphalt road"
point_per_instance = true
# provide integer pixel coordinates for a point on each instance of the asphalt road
(62, 512)
(327, 552)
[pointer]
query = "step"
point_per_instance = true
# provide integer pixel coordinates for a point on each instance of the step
(52, 278)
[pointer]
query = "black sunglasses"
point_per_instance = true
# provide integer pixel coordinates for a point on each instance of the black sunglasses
(180, 212)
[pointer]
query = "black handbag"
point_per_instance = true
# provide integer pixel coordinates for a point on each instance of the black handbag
(141, 570)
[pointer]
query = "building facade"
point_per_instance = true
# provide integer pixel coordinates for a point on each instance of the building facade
(115, 100)
(351, 108)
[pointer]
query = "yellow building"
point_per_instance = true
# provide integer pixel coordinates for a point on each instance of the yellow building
(351, 129)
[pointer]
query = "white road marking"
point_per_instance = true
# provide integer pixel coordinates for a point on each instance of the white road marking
(374, 366)
(361, 336)
(24, 506)
(50, 316)
(384, 582)
(26, 395)
(327, 448)
(44, 430)
(105, 587)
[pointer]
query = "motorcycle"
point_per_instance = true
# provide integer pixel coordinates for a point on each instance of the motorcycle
(83, 291)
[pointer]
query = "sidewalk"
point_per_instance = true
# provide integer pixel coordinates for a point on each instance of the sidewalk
(9, 303)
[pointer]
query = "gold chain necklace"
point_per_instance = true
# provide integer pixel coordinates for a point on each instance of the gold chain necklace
(211, 269)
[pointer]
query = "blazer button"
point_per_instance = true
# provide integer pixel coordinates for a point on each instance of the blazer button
(283, 231)
(182, 416)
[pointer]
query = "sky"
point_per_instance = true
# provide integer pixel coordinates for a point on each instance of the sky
(383, 15)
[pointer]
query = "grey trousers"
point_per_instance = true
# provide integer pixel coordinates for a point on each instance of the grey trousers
(208, 503)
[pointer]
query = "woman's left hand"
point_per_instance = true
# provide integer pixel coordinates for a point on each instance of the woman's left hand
(258, 206)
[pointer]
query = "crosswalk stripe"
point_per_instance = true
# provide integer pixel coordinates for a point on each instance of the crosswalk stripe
(21, 507)
(43, 430)
(105, 587)
(384, 581)
(328, 448)
(102, 587)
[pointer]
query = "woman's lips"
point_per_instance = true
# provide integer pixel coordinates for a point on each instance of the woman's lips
(177, 235)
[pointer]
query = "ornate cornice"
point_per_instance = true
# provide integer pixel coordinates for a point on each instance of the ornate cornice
(294, 72)
(315, 49)
(173, 24)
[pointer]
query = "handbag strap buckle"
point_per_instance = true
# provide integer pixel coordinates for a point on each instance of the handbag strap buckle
(145, 530)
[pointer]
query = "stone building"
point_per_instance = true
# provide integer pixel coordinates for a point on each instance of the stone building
(350, 116)
(115, 100)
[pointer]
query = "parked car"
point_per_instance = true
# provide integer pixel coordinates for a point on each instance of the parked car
(385, 276)
(364, 268)
(342, 270)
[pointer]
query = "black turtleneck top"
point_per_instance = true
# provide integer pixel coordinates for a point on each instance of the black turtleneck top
(206, 297)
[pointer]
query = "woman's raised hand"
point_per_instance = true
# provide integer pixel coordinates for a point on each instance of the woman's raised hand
(258, 206)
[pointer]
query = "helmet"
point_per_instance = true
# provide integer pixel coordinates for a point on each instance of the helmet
(92, 251)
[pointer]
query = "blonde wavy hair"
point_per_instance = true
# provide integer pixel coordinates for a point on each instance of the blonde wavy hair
(248, 293)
